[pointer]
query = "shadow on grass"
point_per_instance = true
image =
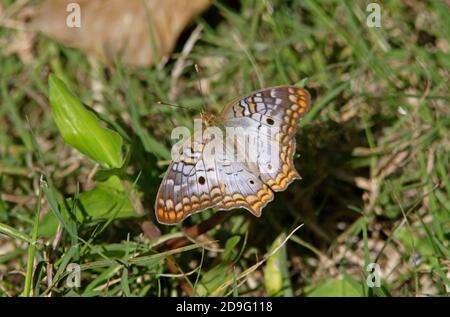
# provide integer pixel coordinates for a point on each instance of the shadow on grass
(322, 198)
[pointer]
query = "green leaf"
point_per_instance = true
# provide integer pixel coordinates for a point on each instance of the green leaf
(14, 233)
(336, 288)
(276, 274)
(63, 217)
(81, 129)
(212, 279)
(108, 199)
(229, 248)
(216, 276)
(48, 225)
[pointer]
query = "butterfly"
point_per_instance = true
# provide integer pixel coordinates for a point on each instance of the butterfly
(199, 179)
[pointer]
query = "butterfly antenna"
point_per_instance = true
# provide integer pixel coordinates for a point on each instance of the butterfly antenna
(197, 70)
(171, 105)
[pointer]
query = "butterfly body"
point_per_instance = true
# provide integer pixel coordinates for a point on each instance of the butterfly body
(262, 145)
(209, 119)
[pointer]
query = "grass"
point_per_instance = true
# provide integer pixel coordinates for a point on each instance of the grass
(374, 154)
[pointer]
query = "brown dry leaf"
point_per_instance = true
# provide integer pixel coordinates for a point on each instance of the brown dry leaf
(150, 229)
(110, 28)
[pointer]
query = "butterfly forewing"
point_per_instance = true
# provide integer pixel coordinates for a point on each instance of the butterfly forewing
(190, 185)
(272, 115)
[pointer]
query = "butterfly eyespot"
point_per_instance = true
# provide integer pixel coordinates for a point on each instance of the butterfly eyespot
(269, 167)
(251, 181)
(270, 121)
(201, 180)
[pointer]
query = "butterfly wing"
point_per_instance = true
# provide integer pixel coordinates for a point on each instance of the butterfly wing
(272, 115)
(242, 188)
(195, 182)
(189, 186)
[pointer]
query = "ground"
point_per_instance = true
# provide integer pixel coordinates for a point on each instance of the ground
(373, 205)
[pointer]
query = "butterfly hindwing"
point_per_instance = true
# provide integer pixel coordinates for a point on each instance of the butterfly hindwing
(242, 188)
(194, 182)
